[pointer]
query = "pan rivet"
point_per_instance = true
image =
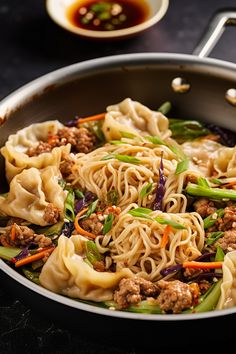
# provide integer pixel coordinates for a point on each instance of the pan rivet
(180, 85)
(230, 96)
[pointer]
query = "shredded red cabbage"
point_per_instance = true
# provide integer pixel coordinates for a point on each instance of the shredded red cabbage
(88, 198)
(171, 269)
(23, 254)
(73, 122)
(160, 191)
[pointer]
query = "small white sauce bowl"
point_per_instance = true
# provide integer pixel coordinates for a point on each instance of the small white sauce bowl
(57, 9)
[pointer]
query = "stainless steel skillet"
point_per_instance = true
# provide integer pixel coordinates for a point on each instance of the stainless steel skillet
(200, 89)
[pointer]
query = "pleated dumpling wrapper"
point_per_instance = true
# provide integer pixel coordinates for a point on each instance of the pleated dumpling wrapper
(17, 145)
(132, 117)
(32, 194)
(66, 272)
(228, 286)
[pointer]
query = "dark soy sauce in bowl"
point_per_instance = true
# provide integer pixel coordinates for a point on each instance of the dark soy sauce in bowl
(108, 15)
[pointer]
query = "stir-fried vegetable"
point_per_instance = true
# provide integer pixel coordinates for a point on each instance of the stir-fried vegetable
(146, 190)
(79, 229)
(34, 257)
(50, 230)
(213, 237)
(184, 130)
(144, 213)
(160, 188)
(112, 197)
(219, 257)
(92, 253)
(69, 205)
(210, 220)
(182, 166)
(122, 158)
(8, 253)
(108, 223)
(165, 108)
(211, 193)
(209, 300)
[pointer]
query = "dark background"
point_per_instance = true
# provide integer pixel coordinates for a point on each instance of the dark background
(32, 45)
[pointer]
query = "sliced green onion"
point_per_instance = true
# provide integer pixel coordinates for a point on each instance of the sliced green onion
(140, 211)
(117, 142)
(172, 223)
(79, 194)
(184, 130)
(144, 213)
(214, 236)
(220, 255)
(108, 223)
(69, 205)
(216, 181)
(182, 166)
(8, 253)
(212, 193)
(203, 182)
(108, 157)
(92, 208)
(210, 220)
(128, 135)
(92, 252)
(155, 140)
(165, 108)
(112, 197)
(126, 158)
(146, 190)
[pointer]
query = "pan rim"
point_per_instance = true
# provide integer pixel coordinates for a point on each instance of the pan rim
(65, 75)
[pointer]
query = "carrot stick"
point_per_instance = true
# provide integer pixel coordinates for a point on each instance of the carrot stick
(92, 118)
(165, 237)
(34, 257)
(79, 228)
(203, 265)
(13, 232)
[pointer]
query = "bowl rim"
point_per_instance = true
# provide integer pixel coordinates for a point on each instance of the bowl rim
(65, 75)
(129, 31)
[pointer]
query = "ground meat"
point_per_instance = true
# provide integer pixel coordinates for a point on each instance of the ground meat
(229, 219)
(51, 214)
(204, 207)
(228, 241)
(204, 285)
(133, 290)
(190, 273)
(81, 139)
(66, 166)
(39, 149)
(176, 296)
(24, 236)
(93, 224)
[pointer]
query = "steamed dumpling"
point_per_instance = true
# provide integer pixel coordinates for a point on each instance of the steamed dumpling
(35, 196)
(66, 273)
(228, 286)
(133, 117)
(17, 145)
(225, 162)
(201, 153)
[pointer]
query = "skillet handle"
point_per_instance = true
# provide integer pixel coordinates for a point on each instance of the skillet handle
(214, 32)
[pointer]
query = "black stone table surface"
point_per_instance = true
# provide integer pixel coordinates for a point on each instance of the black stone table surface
(32, 45)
